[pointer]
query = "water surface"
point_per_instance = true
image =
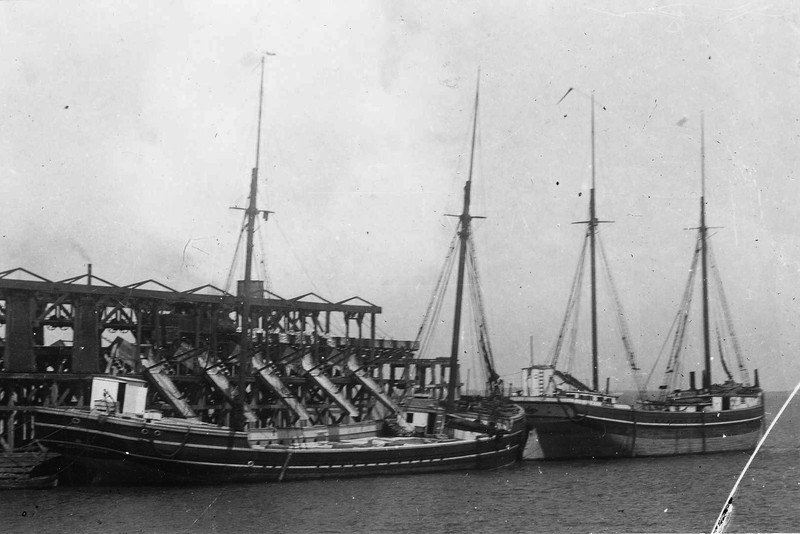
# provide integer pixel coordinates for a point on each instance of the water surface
(680, 494)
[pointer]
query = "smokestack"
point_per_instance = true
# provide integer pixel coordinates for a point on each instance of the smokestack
(757, 383)
(691, 380)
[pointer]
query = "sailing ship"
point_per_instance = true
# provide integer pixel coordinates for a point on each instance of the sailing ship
(416, 391)
(571, 419)
(119, 437)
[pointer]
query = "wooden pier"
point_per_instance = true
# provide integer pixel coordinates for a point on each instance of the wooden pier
(320, 361)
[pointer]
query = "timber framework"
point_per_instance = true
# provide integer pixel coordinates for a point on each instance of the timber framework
(313, 361)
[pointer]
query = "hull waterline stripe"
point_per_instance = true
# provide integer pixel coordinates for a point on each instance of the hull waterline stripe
(506, 450)
(302, 451)
(673, 425)
(583, 416)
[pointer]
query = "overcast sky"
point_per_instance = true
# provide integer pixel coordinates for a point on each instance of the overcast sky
(127, 130)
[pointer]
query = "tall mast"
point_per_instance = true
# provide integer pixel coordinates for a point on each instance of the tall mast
(250, 213)
(592, 232)
(593, 267)
(464, 223)
(703, 256)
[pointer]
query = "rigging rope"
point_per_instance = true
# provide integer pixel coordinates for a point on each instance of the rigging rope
(661, 352)
(475, 296)
(727, 317)
(621, 321)
(671, 375)
(263, 260)
(572, 340)
(437, 299)
(232, 270)
(721, 352)
(727, 510)
(574, 297)
(296, 257)
(482, 327)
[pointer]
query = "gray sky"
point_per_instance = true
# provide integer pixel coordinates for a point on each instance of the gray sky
(127, 129)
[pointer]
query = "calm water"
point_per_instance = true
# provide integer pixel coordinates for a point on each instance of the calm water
(682, 494)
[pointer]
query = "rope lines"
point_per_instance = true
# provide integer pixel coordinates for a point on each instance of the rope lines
(621, 321)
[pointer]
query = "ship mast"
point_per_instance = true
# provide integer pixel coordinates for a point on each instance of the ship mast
(250, 215)
(593, 267)
(592, 235)
(252, 210)
(464, 223)
(703, 258)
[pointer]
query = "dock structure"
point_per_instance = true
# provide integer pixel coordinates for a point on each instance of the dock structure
(57, 335)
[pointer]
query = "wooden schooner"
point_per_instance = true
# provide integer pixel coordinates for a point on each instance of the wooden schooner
(571, 419)
(120, 438)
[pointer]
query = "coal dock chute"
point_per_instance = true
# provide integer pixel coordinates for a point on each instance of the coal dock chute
(313, 361)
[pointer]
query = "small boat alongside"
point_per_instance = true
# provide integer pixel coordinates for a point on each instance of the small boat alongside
(19, 470)
(571, 419)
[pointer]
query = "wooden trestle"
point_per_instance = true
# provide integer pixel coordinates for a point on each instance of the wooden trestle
(57, 335)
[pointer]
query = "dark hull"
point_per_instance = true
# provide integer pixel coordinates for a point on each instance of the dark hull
(117, 450)
(564, 429)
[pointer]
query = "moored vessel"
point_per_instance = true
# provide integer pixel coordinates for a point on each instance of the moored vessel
(571, 419)
(461, 258)
(120, 437)
(120, 441)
